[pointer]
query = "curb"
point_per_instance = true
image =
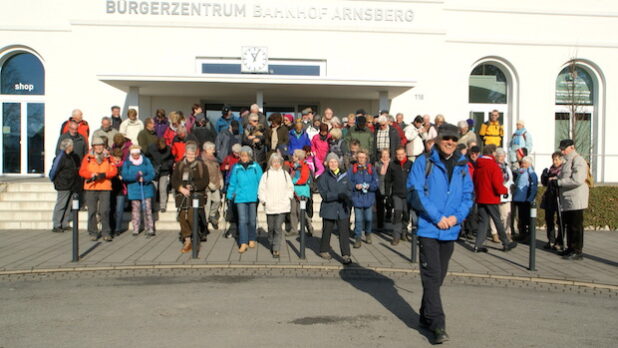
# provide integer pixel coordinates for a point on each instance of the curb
(317, 268)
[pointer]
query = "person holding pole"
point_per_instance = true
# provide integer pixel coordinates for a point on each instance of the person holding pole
(190, 178)
(550, 203)
(441, 193)
(574, 193)
(138, 173)
(64, 175)
(275, 192)
(301, 178)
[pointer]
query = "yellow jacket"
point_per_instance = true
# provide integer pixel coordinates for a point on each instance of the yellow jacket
(492, 133)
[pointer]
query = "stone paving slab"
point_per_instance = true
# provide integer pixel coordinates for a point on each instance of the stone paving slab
(36, 250)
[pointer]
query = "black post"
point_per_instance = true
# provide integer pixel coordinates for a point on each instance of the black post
(532, 258)
(195, 229)
(413, 246)
(303, 207)
(75, 208)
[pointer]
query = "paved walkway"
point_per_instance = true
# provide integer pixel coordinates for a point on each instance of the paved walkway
(36, 250)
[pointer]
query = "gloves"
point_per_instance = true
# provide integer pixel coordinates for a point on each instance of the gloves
(342, 197)
(100, 176)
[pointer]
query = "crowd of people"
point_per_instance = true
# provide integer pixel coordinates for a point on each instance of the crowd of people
(434, 179)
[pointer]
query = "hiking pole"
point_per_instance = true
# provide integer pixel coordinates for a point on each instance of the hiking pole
(195, 236)
(75, 207)
(303, 207)
(560, 221)
(532, 256)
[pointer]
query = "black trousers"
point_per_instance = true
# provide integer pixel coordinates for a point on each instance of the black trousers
(554, 227)
(574, 221)
(471, 224)
(382, 209)
(344, 235)
(434, 256)
(523, 217)
(487, 211)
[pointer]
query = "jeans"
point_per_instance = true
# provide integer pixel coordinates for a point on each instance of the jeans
(98, 202)
(119, 212)
(434, 256)
(363, 218)
(246, 222)
(275, 230)
(62, 210)
(487, 211)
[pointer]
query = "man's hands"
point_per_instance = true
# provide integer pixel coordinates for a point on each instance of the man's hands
(447, 222)
(185, 191)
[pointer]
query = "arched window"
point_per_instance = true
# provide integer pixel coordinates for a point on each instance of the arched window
(490, 87)
(22, 87)
(575, 107)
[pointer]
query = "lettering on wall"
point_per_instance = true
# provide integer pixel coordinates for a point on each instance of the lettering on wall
(242, 10)
(24, 87)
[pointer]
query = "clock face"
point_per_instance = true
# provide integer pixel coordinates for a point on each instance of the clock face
(254, 60)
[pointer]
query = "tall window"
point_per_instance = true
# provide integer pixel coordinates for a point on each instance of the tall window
(575, 98)
(488, 90)
(22, 87)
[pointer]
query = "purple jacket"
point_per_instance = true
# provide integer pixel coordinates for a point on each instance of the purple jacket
(161, 126)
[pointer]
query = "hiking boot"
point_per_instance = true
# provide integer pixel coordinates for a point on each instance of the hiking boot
(405, 236)
(440, 336)
(243, 247)
(276, 254)
(94, 237)
(346, 259)
(395, 241)
(150, 234)
(509, 246)
(369, 238)
(57, 230)
(480, 250)
(252, 244)
(326, 255)
(357, 242)
(135, 233)
(494, 238)
(186, 247)
(107, 238)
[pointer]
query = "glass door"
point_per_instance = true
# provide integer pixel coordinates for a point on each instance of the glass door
(23, 138)
(480, 113)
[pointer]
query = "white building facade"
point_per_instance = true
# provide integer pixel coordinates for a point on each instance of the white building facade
(460, 58)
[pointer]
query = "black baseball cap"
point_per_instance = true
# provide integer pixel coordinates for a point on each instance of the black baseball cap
(564, 143)
(448, 130)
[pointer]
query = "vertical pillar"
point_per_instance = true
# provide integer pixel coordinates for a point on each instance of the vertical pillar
(259, 99)
(384, 102)
(132, 99)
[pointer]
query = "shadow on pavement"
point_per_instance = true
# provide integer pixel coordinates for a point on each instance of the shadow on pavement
(383, 290)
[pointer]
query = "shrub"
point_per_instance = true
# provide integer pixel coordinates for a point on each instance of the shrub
(602, 212)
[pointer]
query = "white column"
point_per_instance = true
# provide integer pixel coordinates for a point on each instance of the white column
(133, 99)
(384, 103)
(259, 99)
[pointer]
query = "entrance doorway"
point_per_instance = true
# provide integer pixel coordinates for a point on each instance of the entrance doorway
(480, 114)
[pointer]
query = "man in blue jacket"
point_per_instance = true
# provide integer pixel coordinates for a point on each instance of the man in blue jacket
(226, 119)
(441, 193)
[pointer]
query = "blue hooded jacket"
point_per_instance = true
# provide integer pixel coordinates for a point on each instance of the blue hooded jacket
(526, 185)
(297, 142)
(433, 197)
(129, 175)
(244, 183)
(360, 176)
(223, 123)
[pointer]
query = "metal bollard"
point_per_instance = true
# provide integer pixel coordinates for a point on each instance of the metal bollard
(196, 219)
(532, 257)
(75, 208)
(414, 244)
(303, 208)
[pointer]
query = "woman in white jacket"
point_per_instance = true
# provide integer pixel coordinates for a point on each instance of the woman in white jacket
(275, 192)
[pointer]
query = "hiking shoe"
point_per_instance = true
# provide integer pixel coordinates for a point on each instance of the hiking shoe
(494, 238)
(440, 336)
(509, 246)
(346, 259)
(107, 238)
(57, 230)
(326, 255)
(276, 254)
(357, 242)
(94, 237)
(135, 233)
(186, 247)
(480, 250)
(369, 238)
(395, 241)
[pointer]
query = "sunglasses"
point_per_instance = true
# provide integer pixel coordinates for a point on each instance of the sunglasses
(449, 137)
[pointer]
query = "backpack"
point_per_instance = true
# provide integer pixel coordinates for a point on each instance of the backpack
(54, 169)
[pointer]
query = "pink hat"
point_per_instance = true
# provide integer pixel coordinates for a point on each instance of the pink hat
(289, 117)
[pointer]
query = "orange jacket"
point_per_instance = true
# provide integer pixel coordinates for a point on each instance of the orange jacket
(90, 166)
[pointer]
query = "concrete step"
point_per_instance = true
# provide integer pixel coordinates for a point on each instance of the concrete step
(28, 196)
(41, 187)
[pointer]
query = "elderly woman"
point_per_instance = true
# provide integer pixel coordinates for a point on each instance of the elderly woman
(215, 178)
(138, 173)
(337, 144)
(526, 186)
(363, 184)
(275, 192)
(520, 139)
(381, 167)
(465, 134)
(255, 138)
(335, 190)
(65, 176)
(320, 147)
(505, 200)
(301, 178)
(243, 191)
(277, 136)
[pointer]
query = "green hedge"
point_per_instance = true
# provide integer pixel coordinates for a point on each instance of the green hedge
(602, 212)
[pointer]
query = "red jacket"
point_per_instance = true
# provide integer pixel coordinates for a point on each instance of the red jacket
(488, 181)
(178, 149)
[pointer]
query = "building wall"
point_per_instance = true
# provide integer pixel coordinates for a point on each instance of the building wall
(438, 50)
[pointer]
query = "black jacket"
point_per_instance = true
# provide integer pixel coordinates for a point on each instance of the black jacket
(336, 195)
(396, 178)
(393, 137)
(204, 132)
(162, 160)
(80, 145)
(116, 121)
(67, 175)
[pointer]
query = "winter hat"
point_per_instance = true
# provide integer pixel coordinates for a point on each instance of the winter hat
(332, 156)
(470, 123)
(247, 150)
(97, 141)
(448, 130)
(361, 120)
(360, 112)
(566, 143)
(289, 117)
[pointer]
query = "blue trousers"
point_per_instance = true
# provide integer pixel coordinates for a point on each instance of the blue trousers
(363, 219)
(247, 220)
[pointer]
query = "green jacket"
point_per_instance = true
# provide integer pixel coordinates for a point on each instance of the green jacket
(363, 135)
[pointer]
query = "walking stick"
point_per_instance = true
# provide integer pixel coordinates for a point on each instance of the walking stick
(141, 187)
(561, 222)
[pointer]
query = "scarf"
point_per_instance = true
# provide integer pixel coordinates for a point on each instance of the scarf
(138, 161)
(518, 136)
(505, 173)
(554, 171)
(274, 139)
